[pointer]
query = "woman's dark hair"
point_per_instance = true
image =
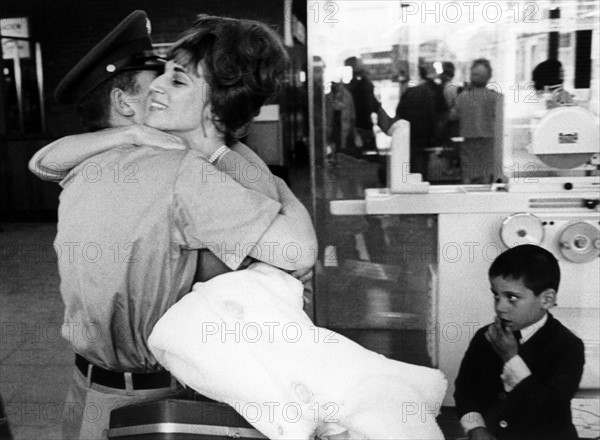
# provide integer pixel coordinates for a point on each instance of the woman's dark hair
(243, 61)
(547, 73)
(533, 264)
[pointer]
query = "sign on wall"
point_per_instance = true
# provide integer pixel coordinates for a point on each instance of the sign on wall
(14, 27)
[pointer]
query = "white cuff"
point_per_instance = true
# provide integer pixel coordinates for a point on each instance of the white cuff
(472, 420)
(515, 370)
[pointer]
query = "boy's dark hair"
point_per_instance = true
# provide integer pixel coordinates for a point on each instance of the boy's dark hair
(94, 108)
(244, 63)
(534, 265)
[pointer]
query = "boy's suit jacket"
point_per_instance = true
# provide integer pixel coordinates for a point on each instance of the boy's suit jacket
(539, 407)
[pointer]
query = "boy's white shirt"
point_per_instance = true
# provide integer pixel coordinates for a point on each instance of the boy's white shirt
(514, 371)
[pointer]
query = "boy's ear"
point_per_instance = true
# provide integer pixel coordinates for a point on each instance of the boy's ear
(121, 102)
(548, 298)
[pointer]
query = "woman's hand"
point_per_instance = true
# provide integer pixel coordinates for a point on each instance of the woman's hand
(142, 135)
(304, 275)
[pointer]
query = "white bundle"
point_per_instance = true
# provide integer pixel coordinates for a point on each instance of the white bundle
(242, 338)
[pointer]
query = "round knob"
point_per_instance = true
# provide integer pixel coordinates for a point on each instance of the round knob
(522, 228)
(580, 242)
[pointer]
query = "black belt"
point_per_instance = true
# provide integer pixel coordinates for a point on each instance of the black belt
(113, 379)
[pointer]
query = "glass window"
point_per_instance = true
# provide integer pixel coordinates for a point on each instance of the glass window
(428, 62)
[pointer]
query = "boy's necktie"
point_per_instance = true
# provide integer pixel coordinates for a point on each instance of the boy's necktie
(517, 335)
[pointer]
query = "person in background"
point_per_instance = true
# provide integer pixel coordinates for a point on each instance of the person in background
(424, 107)
(340, 117)
(519, 374)
(365, 103)
(476, 110)
(449, 127)
(548, 79)
(450, 89)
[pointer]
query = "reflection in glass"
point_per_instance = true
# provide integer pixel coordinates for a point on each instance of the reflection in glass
(378, 276)
(393, 39)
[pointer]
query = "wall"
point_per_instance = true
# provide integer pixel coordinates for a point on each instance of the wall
(24, 197)
(67, 29)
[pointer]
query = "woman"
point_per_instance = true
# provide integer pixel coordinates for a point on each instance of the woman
(220, 73)
(335, 388)
(548, 82)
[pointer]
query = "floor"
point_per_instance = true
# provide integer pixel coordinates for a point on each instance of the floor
(35, 362)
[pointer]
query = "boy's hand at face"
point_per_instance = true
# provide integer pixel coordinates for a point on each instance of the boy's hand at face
(480, 433)
(502, 340)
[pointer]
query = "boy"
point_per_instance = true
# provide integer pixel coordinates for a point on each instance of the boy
(520, 373)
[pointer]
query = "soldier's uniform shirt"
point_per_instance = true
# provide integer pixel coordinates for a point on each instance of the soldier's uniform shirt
(130, 220)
